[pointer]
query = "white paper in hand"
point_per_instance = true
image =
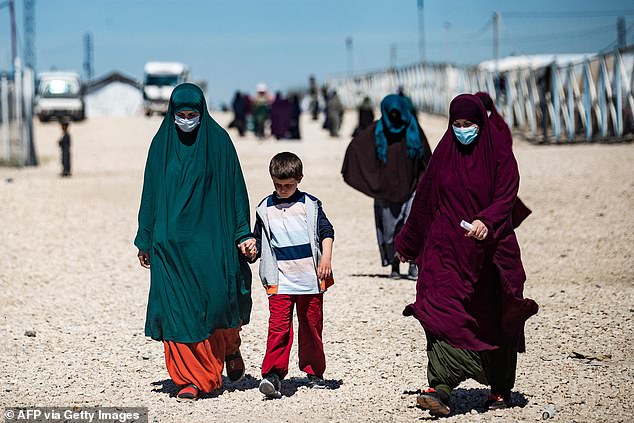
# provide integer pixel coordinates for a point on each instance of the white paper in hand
(466, 225)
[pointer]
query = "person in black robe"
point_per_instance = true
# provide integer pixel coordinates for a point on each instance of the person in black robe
(385, 161)
(239, 106)
(296, 112)
(64, 145)
(366, 116)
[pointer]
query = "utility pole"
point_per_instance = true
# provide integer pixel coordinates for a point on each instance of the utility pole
(421, 31)
(350, 56)
(447, 42)
(393, 56)
(14, 48)
(88, 57)
(29, 34)
(496, 41)
(621, 35)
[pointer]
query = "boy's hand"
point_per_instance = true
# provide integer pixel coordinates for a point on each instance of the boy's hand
(144, 259)
(324, 269)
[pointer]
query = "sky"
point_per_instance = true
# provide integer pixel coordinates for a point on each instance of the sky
(235, 44)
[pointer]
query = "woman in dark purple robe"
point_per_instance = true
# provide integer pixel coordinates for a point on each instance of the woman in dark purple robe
(280, 117)
(469, 294)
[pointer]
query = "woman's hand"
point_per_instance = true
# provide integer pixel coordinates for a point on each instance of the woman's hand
(144, 259)
(247, 248)
(400, 257)
(479, 230)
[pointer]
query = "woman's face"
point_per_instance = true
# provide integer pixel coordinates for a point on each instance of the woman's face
(464, 123)
(187, 114)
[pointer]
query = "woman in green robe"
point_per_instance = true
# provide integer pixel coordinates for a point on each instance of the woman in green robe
(193, 223)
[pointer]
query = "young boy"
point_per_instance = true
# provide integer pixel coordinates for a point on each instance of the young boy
(293, 239)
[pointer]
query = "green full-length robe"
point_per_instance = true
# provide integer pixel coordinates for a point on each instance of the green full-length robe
(194, 211)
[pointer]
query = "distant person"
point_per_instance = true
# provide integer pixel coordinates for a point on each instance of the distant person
(296, 112)
(326, 94)
(410, 104)
(313, 91)
(335, 114)
(503, 134)
(239, 106)
(366, 116)
(64, 145)
(261, 111)
(294, 243)
(469, 295)
(193, 225)
(385, 161)
(280, 117)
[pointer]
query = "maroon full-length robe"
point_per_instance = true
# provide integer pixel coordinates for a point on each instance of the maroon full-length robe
(469, 292)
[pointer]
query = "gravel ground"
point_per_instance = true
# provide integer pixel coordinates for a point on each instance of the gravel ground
(68, 272)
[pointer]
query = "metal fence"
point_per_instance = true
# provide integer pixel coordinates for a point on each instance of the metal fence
(17, 90)
(590, 100)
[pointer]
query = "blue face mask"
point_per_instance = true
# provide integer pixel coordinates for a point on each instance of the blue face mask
(465, 135)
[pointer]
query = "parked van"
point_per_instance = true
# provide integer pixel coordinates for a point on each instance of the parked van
(59, 95)
(159, 82)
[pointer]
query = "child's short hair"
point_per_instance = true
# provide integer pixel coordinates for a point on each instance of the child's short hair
(286, 165)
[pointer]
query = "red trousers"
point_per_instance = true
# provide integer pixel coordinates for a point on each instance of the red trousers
(280, 338)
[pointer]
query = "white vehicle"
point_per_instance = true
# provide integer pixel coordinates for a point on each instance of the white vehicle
(159, 82)
(59, 95)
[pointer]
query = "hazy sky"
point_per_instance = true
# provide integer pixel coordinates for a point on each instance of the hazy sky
(234, 44)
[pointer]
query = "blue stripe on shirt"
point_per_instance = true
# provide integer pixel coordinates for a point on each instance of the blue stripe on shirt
(293, 253)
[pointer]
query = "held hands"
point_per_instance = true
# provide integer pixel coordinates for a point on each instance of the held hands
(144, 259)
(248, 249)
(400, 257)
(479, 230)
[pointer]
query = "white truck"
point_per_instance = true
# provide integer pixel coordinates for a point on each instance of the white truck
(59, 96)
(159, 82)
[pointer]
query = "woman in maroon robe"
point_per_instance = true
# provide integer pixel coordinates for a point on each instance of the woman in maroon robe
(469, 295)
(497, 124)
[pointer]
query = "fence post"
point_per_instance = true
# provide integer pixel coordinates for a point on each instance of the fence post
(4, 121)
(603, 118)
(556, 104)
(587, 98)
(571, 103)
(508, 99)
(618, 92)
(18, 101)
(28, 92)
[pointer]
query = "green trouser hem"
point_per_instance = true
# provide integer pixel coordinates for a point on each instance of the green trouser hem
(449, 366)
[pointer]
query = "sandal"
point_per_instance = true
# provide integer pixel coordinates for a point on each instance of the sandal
(188, 393)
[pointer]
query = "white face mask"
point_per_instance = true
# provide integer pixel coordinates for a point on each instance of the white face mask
(187, 125)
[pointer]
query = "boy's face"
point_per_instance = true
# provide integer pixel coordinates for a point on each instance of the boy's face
(285, 187)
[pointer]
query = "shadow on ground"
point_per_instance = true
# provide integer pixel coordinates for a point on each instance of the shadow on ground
(463, 401)
(289, 386)
(380, 275)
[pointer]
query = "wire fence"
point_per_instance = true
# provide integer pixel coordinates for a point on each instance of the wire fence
(17, 91)
(586, 101)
